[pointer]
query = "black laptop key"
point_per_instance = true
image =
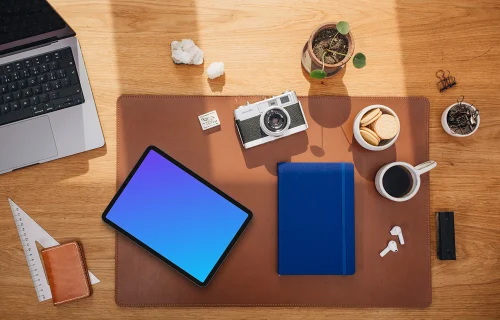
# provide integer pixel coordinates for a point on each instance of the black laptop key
(44, 68)
(52, 76)
(8, 98)
(18, 65)
(49, 107)
(78, 99)
(17, 95)
(8, 68)
(5, 109)
(35, 71)
(16, 76)
(69, 91)
(53, 95)
(46, 87)
(12, 86)
(42, 78)
(56, 85)
(54, 65)
(65, 82)
(34, 100)
(25, 73)
(37, 90)
(23, 84)
(32, 82)
(15, 106)
(62, 100)
(28, 63)
(1, 70)
(73, 75)
(25, 103)
(38, 110)
(37, 61)
(44, 98)
(57, 55)
(47, 57)
(27, 93)
(4, 89)
(7, 78)
(15, 116)
(61, 74)
(69, 104)
(67, 53)
(66, 63)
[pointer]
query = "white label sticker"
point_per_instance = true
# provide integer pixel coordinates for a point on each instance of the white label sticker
(209, 120)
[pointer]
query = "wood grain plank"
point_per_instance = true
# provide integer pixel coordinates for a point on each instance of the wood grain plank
(126, 45)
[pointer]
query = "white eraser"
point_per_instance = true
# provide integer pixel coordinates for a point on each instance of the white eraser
(209, 120)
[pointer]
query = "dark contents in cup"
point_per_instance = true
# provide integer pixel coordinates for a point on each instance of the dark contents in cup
(397, 181)
(462, 119)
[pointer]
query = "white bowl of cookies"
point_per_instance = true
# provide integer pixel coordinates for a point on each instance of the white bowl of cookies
(376, 127)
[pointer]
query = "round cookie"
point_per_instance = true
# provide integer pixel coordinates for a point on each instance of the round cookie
(369, 136)
(369, 116)
(378, 115)
(386, 127)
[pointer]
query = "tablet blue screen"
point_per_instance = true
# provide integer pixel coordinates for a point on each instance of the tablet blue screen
(177, 216)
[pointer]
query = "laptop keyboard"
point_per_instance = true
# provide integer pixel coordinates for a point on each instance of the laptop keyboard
(38, 85)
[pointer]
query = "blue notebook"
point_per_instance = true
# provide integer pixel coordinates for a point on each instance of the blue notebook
(316, 219)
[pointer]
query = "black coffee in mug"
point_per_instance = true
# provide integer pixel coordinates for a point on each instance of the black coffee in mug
(397, 181)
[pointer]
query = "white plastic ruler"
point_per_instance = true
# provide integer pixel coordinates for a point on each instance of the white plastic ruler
(30, 232)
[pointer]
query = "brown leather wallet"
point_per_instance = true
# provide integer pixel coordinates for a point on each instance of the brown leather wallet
(67, 273)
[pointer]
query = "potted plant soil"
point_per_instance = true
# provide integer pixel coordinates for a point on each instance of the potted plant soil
(329, 48)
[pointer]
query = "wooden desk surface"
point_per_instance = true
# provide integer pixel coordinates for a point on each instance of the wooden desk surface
(126, 45)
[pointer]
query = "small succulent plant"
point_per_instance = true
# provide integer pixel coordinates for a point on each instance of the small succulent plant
(359, 59)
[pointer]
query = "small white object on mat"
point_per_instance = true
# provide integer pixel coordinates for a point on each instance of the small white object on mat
(391, 246)
(396, 231)
(215, 70)
(209, 120)
(186, 52)
(30, 232)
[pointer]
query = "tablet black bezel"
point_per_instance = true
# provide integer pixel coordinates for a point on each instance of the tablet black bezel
(156, 254)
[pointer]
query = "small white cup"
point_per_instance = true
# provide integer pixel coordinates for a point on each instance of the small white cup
(415, 172)
(446, 127)
(384, 144)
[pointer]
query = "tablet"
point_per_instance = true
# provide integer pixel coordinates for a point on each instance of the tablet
(177, 216)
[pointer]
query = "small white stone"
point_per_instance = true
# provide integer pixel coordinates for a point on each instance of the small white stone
(186, 52)
(215, 70)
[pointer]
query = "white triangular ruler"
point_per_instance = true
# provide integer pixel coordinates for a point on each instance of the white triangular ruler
(30, 232)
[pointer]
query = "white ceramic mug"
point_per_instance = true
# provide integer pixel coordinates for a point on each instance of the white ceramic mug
(415, 172)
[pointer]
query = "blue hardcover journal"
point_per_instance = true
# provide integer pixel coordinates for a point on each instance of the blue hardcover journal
(316, 219)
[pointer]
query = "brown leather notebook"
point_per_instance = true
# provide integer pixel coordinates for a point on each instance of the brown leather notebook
(248, 277)
(66, 272)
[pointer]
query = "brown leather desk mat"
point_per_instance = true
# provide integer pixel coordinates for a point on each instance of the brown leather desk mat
(248, 277)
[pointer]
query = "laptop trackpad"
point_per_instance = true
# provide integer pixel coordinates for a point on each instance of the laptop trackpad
(25, 143)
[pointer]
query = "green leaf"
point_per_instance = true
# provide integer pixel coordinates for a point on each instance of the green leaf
(359, 60)
(343, 27)
(318, 74)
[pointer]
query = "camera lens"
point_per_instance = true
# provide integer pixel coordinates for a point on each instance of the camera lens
(275, 120)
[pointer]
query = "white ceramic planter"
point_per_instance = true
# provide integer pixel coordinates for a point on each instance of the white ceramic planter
(447, 128)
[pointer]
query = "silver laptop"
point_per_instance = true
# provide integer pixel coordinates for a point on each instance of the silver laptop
(47, 110)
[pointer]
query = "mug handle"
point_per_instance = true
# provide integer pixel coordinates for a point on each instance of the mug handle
(425, 167)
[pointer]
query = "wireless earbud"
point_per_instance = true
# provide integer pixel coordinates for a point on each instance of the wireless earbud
(391, 246)
(396, 231)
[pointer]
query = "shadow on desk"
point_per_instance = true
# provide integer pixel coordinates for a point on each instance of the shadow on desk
(271, 153)
(61, 169)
